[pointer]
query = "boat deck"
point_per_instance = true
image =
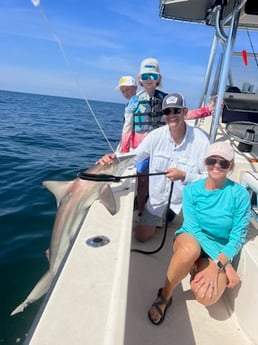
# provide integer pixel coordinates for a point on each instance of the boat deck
(187, 322)
(102, 294)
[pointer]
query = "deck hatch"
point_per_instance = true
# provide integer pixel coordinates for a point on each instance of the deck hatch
(97, 241)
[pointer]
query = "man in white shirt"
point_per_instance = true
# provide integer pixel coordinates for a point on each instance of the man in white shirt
(177, 149)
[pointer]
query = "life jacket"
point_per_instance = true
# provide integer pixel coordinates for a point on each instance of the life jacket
(148, 114)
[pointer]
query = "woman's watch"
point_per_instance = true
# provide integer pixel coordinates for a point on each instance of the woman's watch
(220, 265)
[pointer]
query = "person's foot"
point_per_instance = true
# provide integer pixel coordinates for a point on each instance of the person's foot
(158, 310)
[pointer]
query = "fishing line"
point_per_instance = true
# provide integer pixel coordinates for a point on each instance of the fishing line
(36, 3)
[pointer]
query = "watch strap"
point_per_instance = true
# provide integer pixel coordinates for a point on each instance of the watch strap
(220, 265)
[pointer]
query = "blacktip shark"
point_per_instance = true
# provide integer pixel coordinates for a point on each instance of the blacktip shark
(74, 199)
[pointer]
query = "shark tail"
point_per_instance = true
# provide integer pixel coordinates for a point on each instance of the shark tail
(37, 292)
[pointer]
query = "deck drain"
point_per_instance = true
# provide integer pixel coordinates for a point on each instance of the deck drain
(97, 241)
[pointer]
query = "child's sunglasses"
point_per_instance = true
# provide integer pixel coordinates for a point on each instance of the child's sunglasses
(152, 76)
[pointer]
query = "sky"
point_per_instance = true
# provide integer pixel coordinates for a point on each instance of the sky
(81, 48)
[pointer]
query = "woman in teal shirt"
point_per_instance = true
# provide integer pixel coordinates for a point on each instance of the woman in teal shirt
(216, 216)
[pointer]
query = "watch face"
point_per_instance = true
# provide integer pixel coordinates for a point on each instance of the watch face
(220, 265)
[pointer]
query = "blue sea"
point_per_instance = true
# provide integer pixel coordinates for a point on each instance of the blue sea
(42, 138)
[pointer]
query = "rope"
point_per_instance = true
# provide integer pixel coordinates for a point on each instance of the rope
(111, 178)
(165, 228)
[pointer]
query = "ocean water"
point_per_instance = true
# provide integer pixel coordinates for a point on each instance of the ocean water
(42, 138)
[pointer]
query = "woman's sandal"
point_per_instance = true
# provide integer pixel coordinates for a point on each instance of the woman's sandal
(157, 305)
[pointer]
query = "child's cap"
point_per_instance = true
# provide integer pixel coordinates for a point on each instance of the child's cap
(126, 81)
(149, 65)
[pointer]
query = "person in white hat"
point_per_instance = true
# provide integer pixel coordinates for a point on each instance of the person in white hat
(127, 85)
(148, 115)
(216, 213)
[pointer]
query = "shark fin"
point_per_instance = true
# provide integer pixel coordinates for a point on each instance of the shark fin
(37, 292)
(58, 188)
(108, 200)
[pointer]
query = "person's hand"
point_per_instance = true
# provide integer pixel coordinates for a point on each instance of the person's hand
(107, 159)
(207, 281)
(211, 106)
(175, 174)
(232, 276)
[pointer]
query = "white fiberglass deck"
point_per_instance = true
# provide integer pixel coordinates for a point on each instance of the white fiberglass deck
(103, 294)
(187, 322)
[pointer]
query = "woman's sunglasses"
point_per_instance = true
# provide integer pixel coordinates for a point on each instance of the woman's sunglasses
(175, 111)
(224, 164)
(151, 76)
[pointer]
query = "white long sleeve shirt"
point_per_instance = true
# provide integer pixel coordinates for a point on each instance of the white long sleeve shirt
(164, 154)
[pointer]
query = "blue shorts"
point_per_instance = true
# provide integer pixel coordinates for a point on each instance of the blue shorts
(143, 166)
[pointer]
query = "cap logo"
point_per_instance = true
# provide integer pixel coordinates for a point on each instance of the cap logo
(123, 80)
(150, 66)
(172, 100)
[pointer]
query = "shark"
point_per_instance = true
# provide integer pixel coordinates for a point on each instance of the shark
(74, 199)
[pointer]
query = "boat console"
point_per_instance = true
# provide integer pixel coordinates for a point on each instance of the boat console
(240, 107)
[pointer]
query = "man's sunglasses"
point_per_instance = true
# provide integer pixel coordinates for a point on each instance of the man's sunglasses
(224, 164)
(175, 111)
(152, 76)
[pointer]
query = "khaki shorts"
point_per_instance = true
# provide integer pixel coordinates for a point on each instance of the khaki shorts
(150, 220)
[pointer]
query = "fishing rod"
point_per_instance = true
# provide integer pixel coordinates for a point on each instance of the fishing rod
(112, 178)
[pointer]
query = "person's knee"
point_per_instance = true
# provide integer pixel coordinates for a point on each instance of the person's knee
(144, 233)
(188, 252)
(187, 244)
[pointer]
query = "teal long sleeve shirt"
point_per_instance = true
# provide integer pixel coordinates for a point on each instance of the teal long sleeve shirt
(218, 219)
